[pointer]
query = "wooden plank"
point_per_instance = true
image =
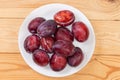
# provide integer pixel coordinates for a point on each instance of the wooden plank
(9, 34)
(107, 36)
(93, 9)
(99, 68)
(14, 12)
(34, 4)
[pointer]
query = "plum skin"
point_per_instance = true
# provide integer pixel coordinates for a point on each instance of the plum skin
(63, 47)
(31, 43)
(47, 28)
(80, 31)
(57, 62)
(47, 43)
(33, 25)
(64, 34)
(76, 58)
(40, 57)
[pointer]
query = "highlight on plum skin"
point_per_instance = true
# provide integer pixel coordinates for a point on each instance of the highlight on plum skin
(64, 17)
(33, 25)
(31, 43)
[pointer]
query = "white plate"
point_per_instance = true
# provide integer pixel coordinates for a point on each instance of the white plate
(47, 11)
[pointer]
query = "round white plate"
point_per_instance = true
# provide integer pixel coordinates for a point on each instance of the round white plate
(48, 11)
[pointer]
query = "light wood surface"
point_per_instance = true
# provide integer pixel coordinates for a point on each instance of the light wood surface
(105, 18)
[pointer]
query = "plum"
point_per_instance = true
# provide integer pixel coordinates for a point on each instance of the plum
(76, 58)
(40, 57)
(31, 43)
(64, 17)
(47, 43)
(80, 31)
(64, 34)
(33, 25)
(47, 28)
(63, 47)
(57, 62)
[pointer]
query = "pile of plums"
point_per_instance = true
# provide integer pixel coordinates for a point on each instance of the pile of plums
(52, 37)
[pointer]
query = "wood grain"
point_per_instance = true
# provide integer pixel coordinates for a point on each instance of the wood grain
(93, 9)
(107, 36)
(99, 68)
(105, 18)
(9, 34)
(78, 3)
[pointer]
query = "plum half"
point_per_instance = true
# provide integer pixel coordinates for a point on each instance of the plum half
(64, 17)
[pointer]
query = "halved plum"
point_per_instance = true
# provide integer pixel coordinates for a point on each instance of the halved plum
(64, 17)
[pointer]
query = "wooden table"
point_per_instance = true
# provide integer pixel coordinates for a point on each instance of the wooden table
(105, 18)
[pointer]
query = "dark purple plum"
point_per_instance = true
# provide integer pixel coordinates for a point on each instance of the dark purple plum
(33, 25)
(64, 18)
(76, 58)
(47, 28)
(63, 47)
(40, 57)
(80, 31)
(31, 43)
(47, 43)
(64, 34)
(57, 62)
